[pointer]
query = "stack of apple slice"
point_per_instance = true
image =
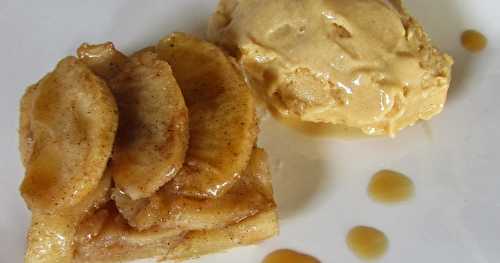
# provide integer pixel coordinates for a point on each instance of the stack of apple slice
(152, 155)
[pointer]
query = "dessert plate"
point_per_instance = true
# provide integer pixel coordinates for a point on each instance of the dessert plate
(320, 182)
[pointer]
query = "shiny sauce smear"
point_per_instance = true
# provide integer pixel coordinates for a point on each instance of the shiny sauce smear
(289, 256)
(388, 186)
(367, 243)
(473, 40)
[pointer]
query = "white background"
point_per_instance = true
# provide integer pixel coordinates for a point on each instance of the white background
(320, 183)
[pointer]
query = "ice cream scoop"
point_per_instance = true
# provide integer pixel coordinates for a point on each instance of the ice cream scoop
(362, 63)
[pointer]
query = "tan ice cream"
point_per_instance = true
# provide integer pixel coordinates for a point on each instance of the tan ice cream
(362, 63)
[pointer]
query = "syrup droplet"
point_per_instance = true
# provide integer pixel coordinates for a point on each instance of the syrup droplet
(367, 243)
(473, 40)
(289, 256)
(388, 186)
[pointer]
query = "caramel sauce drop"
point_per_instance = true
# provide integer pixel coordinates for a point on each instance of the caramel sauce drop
(388, 186)
(367, 243)
(473, 40)
(289, 256)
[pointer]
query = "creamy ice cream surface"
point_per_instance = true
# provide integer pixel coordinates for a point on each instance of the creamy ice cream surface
(362, 63)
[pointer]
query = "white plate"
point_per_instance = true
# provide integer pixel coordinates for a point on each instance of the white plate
(320, 183)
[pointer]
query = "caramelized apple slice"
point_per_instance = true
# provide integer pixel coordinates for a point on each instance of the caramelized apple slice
(68, 125)
(50, 237)
(153, 132)
(106, 237)
(250, 195)
(247, 232)
(221, 107)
